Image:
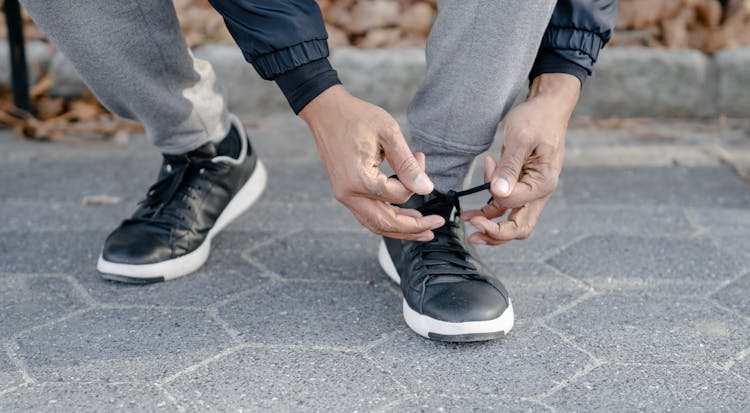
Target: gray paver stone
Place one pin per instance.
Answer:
(286, 380)
(530, 360)
(86, 397)
(121, 345)
(647, 186)
(735, 295)
(635, 263)
(654, 388)
(653, 329)
(323, 256)
(315, 313)
(28, 301)
(435, 403)
(9, 374)
(535, 289)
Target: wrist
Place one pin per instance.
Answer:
(327, 102)
(561, 90)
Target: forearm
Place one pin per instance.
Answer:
(559, 90)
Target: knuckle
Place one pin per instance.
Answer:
(340, 194)
(409, 164)
(525, 231)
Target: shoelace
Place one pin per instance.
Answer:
(157, 206)
(445, 255)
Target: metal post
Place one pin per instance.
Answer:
(19, 71)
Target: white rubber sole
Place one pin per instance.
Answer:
(177, 267)
(434, 329)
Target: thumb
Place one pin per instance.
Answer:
(507, 172)
(408, 168)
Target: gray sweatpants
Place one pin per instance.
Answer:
(134, 58)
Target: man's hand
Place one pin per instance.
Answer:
(354, 137)
(531, 161)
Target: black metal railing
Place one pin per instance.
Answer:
(19, 71)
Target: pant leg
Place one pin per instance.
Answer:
(479, 55)
(133, 56)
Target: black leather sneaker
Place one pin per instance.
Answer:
(449, 295)
(197, 194)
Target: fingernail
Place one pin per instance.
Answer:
(422, 184)
(437, 225)
(501, 186)
(425, 238)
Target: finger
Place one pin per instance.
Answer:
(508, 170)
(480, 238)
(489, 211)
(419, 156)
(528, 189)
(382, 218)
(407, 211)
(404, 164)
(390, 190)
(489, 168)
(423, 237)
(521, 222)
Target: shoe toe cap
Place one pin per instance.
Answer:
(128, 245)
(464, 302)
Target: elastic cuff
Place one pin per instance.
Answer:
(547, 61)
(306, 82)
(272, 65)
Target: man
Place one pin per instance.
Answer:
(133, 56)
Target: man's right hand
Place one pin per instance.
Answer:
(354, 137)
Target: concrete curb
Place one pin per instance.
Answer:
(628, 82)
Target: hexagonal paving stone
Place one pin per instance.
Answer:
(85, 397)
(722, 221)
(121, 345)
(281, 380)
(127, 177)
(535, 289)
(282, 217)
(225, 273)
(735, 246)
(634, 263)
(303, 182)
(315, 313)
(654, 388)
(323, 256)
(743, 367)
(437, 403)
(687, 186)
(9, 374)
(41, 215)
(28, 301)
(606, 219)
(48, 252)
(735, 295)
(528, 361)
(655, 329)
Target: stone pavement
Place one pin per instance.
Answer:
(631, 295)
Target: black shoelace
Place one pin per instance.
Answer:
(160, 207)
(445, 255)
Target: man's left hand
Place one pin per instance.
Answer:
(530, 163)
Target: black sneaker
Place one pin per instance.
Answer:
(449, 295)
(197, 195)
